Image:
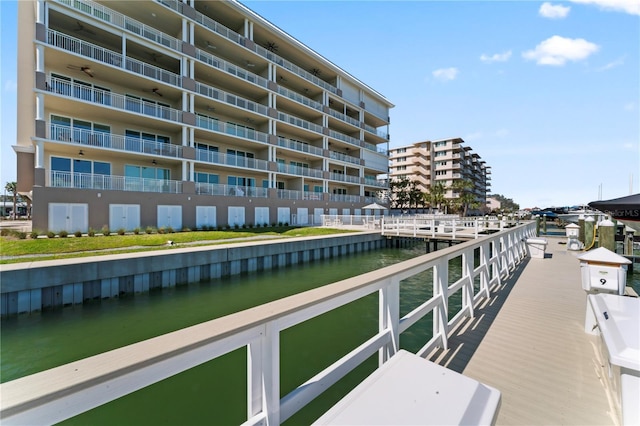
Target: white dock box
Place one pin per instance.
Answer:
(603, 271)
(536, 247)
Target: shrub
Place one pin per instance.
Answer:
(170, 230)
(92, 232)
(185, 229)
(106, 231)
(121, 231)
(161, 230)
(63, 234)
(136, 230)
(21, 235)
(286, 224)
(51, 234)
(236, 226)
(34, 234)
(4, 232)
(77, 234)
(148, 230)
(279, 224)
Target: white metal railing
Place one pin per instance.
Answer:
(63, 392)
(346, 198)
(230, 68)
(60, 179)
(112, 141)
(300, 99)
(344, 117)
(106, 56)
(344, 178)
(104, 14)
(299, 171)
(343, 157)
(231, 129)
(113, 100)
(219, 28)
(231, 190)
(442, 226)
(344, 138)
(228, 98)
(299, 122)
(375, 131)
(231, 160)
(375, 182)
(299, 146)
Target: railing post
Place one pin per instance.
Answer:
(441, 312)
(389, 318)
(263, 375)
(467, 289)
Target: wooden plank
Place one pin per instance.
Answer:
(528, 342)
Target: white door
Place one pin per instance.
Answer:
(262, 215)
(170, 216)
(284, 215)
(317, 215)
(303, 216)
(205, 216)
(236, 216)
(125, 216)
(70, 217)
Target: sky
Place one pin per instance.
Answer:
(547, 93)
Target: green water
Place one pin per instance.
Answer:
(215, 392)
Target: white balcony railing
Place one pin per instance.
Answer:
(60, 179)
(344, 178)
(345, 198)
(344, 117)
(231, 129)
(300, 99)
(299, 122)
(230, 68)
(231, 190)
(228, 98)
(231, 160)
(344, 138)
(343, 157)
(113, 100)
(299, 146)
(110, 141)
(299, 171)
(47, 397)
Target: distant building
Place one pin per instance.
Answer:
(493, 204)
(441, 161)
(187, 114)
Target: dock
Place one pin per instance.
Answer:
(528, 341)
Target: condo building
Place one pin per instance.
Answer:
(442, 161)
(187, 114)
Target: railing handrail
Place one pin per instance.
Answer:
(62, 392)
(61, 179)
(231, 99)
(231, 160)
(233, 129)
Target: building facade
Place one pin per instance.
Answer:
(186, 114)
(442, 161)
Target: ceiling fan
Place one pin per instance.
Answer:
(85, 69)
(82, 28)
(316, 72)
(155, 91)
(155, 56)
(271, 46)
(211, 46)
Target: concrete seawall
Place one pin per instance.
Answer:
(34, 286)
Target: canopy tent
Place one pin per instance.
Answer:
(374, 206)
(623, 208)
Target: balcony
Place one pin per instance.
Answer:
(344, 117)
(288, 194)
(299, 146)
(344, 138)
(231, 129)
(345, 178)
(375, 182)
(345, 198)
(298, 122)
(231, 190)
(231, 160)
(300, 99)
(110, 141)
(60, 179)
(230, 68)
(113, 100)
(299, 171)
(109, 57)
(343, 157)
(228, 98)
(381, 133)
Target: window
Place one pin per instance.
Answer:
(441, 172)
(202, 177)
(398, 168)
(441, 153)
(85, 132)
(150, 143)
(78, 173)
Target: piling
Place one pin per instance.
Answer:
(628, 243)
(589, 232)
(581, 231)
(544, 224)
(537, 225)
(607, 235)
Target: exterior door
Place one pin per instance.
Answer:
(170, 216)
(205, 216)
(70, 217)
(124, 216)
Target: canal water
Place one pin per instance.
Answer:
(215, 392)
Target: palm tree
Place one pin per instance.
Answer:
(12, 188)
(436, 194)
(465, 196)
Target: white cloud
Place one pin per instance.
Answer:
(631, 7)
(611, 65)
(10, 86)
(496, 57)
(558, 50)
(548, 10)
(446, 74)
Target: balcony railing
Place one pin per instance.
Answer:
(299, 98)
(299, 171)
(230, 68)
(345, 198)
(344, 117)
(231, 129)
(111, 141)
(299, 146)
(231, 190)
(228, 98)
(375, 182)
(219, 28)
(345, 178)
(344, 138)
(60, 179)
(104, 14)
(288, 194)
(343, 157)
(299, 122)
(113, 100)
(378, 132)
(231, 160)
(109, 57)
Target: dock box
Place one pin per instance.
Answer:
(409, 390)
(536, 247)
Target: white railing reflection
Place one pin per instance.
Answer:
(486, 263)
(60, 179)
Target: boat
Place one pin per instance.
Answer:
(625, 209)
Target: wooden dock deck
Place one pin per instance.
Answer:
(528, 341)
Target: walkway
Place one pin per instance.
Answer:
(529, 342)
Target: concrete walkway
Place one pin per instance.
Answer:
(528, 341)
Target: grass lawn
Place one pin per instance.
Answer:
(60, 248)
